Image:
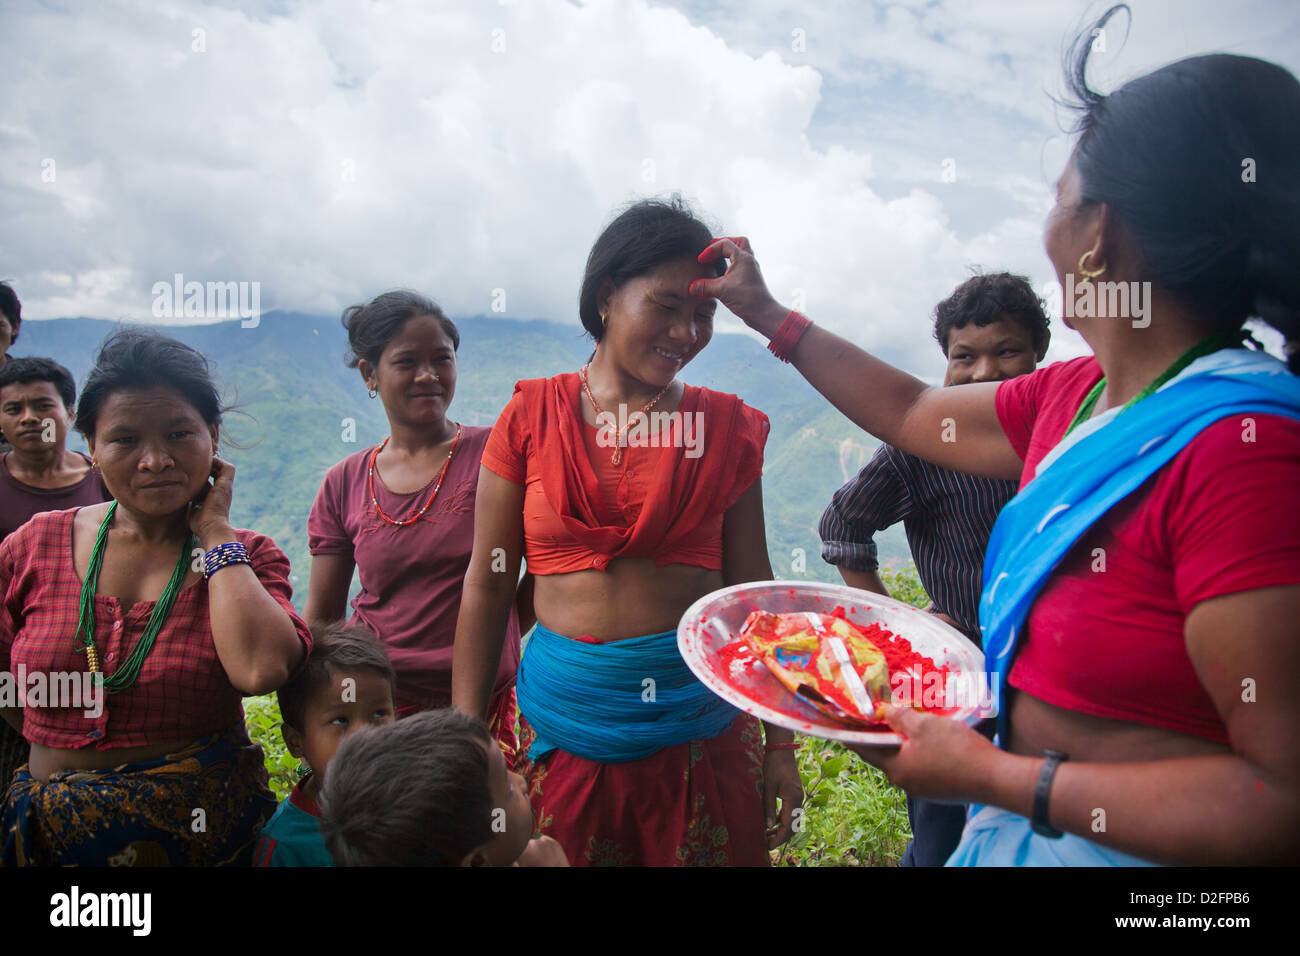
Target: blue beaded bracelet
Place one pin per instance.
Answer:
(222, 556)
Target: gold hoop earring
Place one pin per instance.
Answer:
(1089, 274)
(603, 319)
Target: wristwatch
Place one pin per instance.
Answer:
(1042, 790)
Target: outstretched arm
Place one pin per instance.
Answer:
(954, 427)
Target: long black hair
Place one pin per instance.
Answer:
(1200, 159)
(644, 235)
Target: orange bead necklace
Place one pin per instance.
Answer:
(370, 479)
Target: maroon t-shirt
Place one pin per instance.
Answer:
(19, 500)
(411, 577)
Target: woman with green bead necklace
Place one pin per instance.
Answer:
(153, 617)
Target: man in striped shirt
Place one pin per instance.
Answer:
(991, 328)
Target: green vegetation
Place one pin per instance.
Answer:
(262, 717)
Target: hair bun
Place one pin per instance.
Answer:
(1275, 290)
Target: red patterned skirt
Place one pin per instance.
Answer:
(693, 804)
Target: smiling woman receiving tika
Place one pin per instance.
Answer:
(626, 520)
(177, 612)
(1141, 592)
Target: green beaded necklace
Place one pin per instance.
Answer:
(129, 670)
(1204, 347)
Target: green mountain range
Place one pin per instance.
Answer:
(296, 403)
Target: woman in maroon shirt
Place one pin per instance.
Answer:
(134, 628)
(402, 512)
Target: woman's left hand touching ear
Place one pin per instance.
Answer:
(210, 514)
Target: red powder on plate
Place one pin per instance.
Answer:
(927, 678)
(736, 650)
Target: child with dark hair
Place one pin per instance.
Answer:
(991, 328)
(430, 790)
(346, 685)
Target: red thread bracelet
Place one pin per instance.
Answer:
(788, 336)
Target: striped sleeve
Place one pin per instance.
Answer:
(876, 499)
(265, 850)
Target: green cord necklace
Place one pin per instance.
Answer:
(1204, 347)
(129, 670)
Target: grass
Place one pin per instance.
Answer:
(262, 717)
(852, 815)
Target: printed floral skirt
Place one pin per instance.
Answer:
(202, 806)
(693, 804)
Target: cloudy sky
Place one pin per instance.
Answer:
(330, 150)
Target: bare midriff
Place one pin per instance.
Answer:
(633, 597)
(48, 760)
(1036, 725)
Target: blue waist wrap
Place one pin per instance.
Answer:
(615, 702)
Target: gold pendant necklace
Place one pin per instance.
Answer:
(621, 442)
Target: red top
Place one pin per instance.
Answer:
(1105, 635)
(411, 577)
(666, 498)
(182, 691)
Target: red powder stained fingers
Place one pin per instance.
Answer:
(725, 247)
(740, 241)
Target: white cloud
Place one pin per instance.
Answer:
(332, 150)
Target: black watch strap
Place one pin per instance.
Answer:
(1043, 790)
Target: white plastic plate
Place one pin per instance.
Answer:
(716, 619)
